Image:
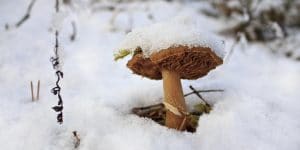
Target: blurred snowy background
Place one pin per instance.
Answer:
(261, 76)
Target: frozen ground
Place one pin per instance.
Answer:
(258, 110)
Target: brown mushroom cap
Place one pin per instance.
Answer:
(189, 63)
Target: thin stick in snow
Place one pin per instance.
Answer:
(203, 91)
(37, 97)
(59, 74)
(195, 92)
(31, 87)
(73, 35)
(38, 91)
(77, 139)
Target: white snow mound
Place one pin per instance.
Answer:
(179, 31)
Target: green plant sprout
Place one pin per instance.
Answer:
(121, 54)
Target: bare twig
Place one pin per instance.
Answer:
(74, 33)
(59, 74)
(77, 139)
(143, 111)
(203, 91)
(25, 17)
(195, 92)
(31, 87)
(38, 91)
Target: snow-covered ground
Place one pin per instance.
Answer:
(258, 110)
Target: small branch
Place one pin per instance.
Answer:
(38, 91)
(25, 17)
(203, 91)
(31, 87)
(77, 139)
(195, 92)
(143, 111)
(74, 33)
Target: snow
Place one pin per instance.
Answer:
(58, 19)
(258, 110)
(182, 30)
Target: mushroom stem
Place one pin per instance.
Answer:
(173, 95)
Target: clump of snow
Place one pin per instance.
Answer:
(182, 30)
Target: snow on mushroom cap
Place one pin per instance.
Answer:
(179, 31)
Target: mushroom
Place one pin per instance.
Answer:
(171, 65)
(173, 50)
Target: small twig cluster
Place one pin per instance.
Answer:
(257, 21)
(157, 112)
(144, 110)
(259, 24)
